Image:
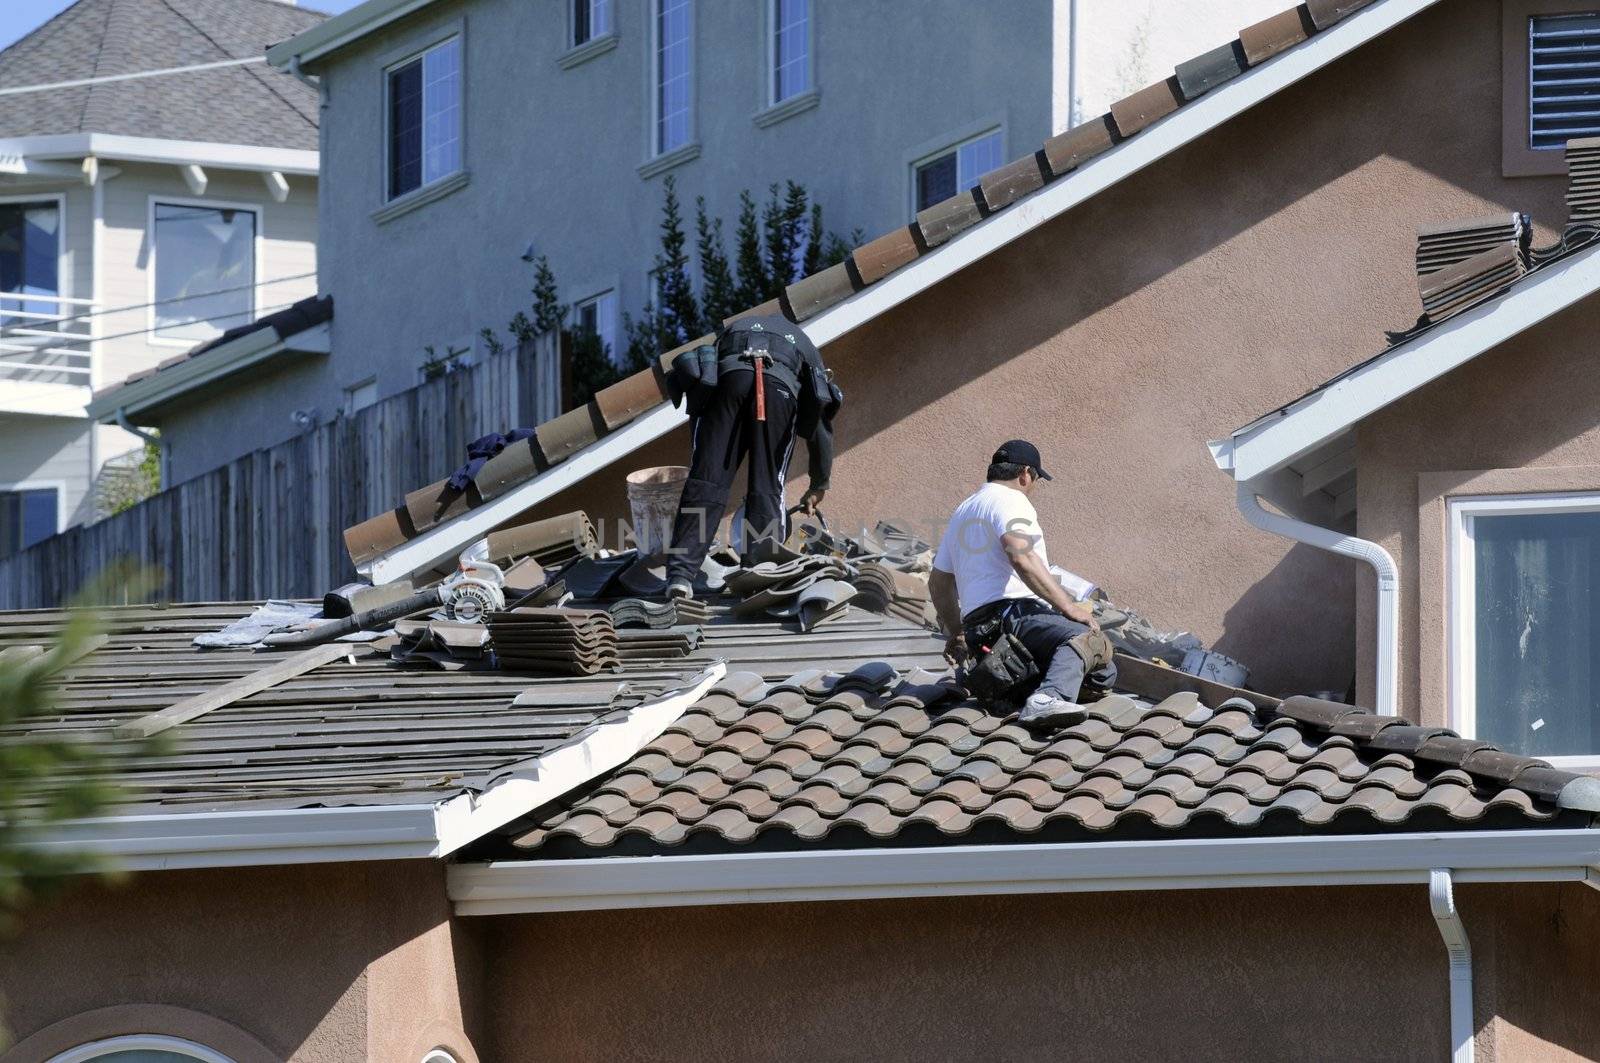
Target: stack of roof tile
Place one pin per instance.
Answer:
(551, 542)
(556, 641)
(1470, 281)
(808, 589)
(1583, 179)
(446, 644)
(873, 758)
(654, 643)
(1450, 243)
(885, 589)
(637, 613)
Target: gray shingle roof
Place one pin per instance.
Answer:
(94, 38)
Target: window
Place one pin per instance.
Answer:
(358, 397)
(27, 515)
(141, 1048)
(1563, 79)
(598, 316)
(424, 110)
(956, 169)
(672, 83)
(205, 269)
(30, 250)
(590, 19)
(1525, 622)
(791, 49)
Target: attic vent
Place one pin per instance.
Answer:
(1563, 79)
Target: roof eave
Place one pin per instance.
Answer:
(505, 887)
(340, 30)
(251, 157)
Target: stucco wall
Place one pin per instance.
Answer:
(320, 964)
(1528, 405)
(1202, 975)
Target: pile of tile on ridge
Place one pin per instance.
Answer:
(1583, 179)
(1470, 281)
(1449, 243)
(884, 589)
(807, 588)
(551, 542)
(555, 641)
(637, 612)
(655, 643)
(445, 644)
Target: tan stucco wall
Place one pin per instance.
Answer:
(1336, 974)
(1527, 408)
(1219, 283)
(320, 964)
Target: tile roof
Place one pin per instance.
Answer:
(879, 258)
(880, 758)
(95, 38)
(367, 732)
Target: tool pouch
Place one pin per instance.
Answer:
(1004, 672)
(693, 377)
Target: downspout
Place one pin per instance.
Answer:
(1072, 63)
(306, 79)
(149, 437)
(1441, 897)
(1382, 563)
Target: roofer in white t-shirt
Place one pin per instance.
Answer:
(992, 567)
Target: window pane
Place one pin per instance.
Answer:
(405, 129)
(978, 158)
(791, 74)
(936, 181)
(1536, 634)
(441, 109)
(29, 253)
(26, 517)
(672, 74)
(205, 270)
(581, 30)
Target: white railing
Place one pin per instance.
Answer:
(45, 339)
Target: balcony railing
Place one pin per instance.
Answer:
(45, 339)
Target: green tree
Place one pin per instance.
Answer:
(754, 283)
(548, 311)
(592, 367)
(678, 316)
(718, 290)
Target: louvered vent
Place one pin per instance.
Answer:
(1564, 79)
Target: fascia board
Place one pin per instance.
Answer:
(167, 384)
(1188, 123)
(341, 29)
(505, 887)
(157, 150)
(1272, 442)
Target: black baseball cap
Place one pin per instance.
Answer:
(1020, 452)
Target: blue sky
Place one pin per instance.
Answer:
(19, 17)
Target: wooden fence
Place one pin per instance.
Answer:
(271, 523)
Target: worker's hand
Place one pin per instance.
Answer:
(811, 500)
(1083, 614)
(955, 648)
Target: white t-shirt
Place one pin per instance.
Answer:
(971, 548)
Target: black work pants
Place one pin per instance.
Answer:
(722, 435)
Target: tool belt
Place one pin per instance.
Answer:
(998, 668)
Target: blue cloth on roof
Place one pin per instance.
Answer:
(480, 450)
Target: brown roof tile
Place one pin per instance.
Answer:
(1148, 105)
(876, 260)
(953, 216)
(1325, 13)
(1003, 187)
(1066, 151)
(812, 295)
(1205, 72)
(1276, 34)
(628, 398)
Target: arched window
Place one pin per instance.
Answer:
(439, 1055)
(141, 1048)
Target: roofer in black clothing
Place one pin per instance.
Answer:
(762, 385)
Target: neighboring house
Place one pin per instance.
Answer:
(138, 217)
(812, 847)
(462, 137)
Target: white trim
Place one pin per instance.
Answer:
(1274, 441)
(1191, 121)
(341, 29)
(1461, 593)
(157, 150)
(589, 49)
(503, 887)
(258, 247)
(163, 841)
(768, 97)
(88, 1053)
(58, 486)
(219, 362)
(419, 197)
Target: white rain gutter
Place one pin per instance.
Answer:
(1371, 553)
(514, 886)
(424, 830)
(1441, 897)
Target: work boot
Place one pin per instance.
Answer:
(680, 589)
(1044, 711)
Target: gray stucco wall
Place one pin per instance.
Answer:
(245, 412)
(553, 154)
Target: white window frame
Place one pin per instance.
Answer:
(572, 22)
(596, 294)
(1461, 576)
(94, 1050)
(257, 258)
(931, 150)
(653, 133)
(769, 40)
(63, 274)
(428, 190)
(350, 407)
(1528, 133)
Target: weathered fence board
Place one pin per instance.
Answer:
(271, 523)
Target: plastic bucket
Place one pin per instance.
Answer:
(653, 496)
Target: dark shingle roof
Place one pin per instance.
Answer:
(878, 758)
(251, 104)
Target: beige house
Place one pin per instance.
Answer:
(139, 216)
(811, 846)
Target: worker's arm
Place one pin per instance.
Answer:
(820, 449)
(1035, 575)
(942, 589)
